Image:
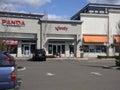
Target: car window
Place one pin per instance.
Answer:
(5, 60)
(40, 51)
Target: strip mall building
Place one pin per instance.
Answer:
(93, 31)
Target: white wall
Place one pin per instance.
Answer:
(31, 26)
(114, 20)
(94, 24)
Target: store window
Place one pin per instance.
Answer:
(117, 49)
(94, 48)
(63, 49)
(33, 47)
(12, 49)
(56, 48)
(71, 49)
(50, 49)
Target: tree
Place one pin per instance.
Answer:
(3, 46)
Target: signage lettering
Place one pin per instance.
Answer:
(13, 22)
(61, 28)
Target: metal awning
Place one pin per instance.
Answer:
(18, 36)
(60, 37)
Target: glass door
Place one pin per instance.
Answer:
(71, 50)
(26, 50)
(58, 48)
(54, 50)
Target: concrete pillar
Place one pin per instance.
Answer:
(77, 46)
(111, 51)
(38, 40)
(67, 49)
(78, 51)
(19, 49)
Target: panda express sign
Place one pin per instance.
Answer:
(8, 22)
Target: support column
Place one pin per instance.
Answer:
(19, 49)
(111, 51)
(38, 40)
(77, 46)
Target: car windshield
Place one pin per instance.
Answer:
(40, 51)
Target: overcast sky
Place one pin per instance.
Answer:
(58, 9)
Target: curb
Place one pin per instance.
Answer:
(70, 58)
(21, 69)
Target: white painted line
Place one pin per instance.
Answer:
(96, 73)
(50, 74)
(24, 68)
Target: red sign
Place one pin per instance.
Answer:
(61, 28)
(11, 42)
(13, 22)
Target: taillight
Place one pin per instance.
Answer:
(13, 76)
(8, 59)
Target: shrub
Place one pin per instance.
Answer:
(117, 63)
(50, 56)
(100, 57)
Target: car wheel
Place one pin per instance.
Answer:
(44, 59)
(33, 58)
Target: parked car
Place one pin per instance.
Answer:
(39, 54)
(7, 71)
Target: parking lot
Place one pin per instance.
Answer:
(69, 75)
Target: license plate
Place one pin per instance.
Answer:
(40, 54)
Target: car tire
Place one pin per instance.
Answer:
(33, 58)
(44, 59)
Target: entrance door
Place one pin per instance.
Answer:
(57, 49)
(71, 50)
(54, 50)
(26, 50)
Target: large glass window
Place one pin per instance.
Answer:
(94, 48)
(63, 49)
(71, 49)
(117, 49)
(50, 49)
(12, 49)
(33, 47)
(53, 49)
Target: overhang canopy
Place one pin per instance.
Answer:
(95, 38)
(117, 39)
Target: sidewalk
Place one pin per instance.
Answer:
(66, 58)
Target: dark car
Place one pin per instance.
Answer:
(39, 54)
(7, 71)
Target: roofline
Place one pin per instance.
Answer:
(21, 14)
(79, 11)
(61, 21)
(93, 4)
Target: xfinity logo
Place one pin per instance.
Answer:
(61, 28)
(13, 22)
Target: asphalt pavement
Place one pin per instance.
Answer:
(69, 74)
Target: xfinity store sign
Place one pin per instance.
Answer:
(59, 28)
(8, 22)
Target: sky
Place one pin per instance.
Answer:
(53, 9)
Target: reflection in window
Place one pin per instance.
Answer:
(63, 49)
(117, 49)
(50, 49)
(12, 49)
(94, 48)
(71, 49)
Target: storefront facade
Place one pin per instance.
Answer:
(100, 29)
(23, 33)
(61, 37)
(21, 28)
